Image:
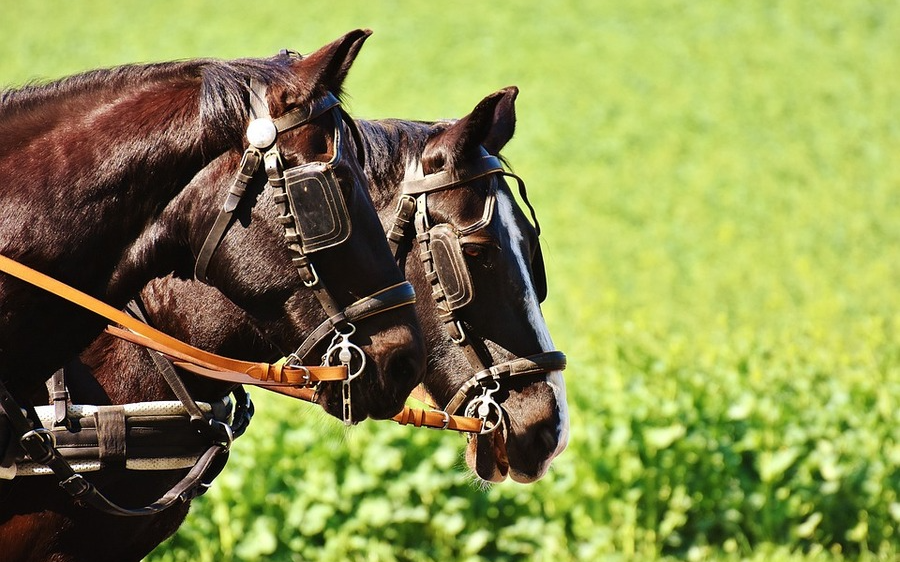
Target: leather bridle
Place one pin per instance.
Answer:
(315, 217)
(452, 289)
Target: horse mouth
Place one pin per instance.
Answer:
(500, 454)
(486, 456)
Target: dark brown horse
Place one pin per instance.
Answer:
(90, 163)
(534, 409)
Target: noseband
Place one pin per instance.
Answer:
(315, 217)
(452, 287)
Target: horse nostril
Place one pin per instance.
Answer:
(403, 369)
(547, 437)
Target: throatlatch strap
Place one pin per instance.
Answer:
(249, 164)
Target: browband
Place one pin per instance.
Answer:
(446, 179)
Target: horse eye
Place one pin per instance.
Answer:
(482, 252)
(474, 250)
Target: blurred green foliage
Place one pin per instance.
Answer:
(720, 196)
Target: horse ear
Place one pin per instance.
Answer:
(330, 64)
(504, 124)
(491, 124)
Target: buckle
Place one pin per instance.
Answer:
(76, 486)
(446, 420)
(224, 432)
(39, 444)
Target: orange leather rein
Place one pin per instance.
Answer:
(276, 376)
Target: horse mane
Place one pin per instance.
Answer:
(223, 90)
(393, 145)
(385, 139)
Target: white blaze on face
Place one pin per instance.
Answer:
(555, 378)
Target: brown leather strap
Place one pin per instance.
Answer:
(59, 396)
(437, 419)
(303, 114)
(195, 483)
(403, 223)
(537, 364)
(447, 179)
(248, 372)
(233, 370)
(389, 298)
(249, 164)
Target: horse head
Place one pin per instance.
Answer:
(482, 257)
(295, 241)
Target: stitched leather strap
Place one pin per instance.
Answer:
(59, 396)
(249, 164)
(395, 296)
(437, 419)
(446, 179)
(195, 483)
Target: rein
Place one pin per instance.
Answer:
(270, 375)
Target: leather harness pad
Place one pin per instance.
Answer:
(450, 266)
(320, 212)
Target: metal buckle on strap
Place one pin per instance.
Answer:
(38, 444)
(309, 284)
(76, 486)
(446, 420)
(224, 431)
(459, 329)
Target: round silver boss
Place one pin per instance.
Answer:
(261, 132)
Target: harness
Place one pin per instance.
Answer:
(452, 287)
(315, 217)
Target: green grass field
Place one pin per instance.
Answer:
(719, 186)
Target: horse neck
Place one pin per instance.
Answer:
(88, 199)
(70, 206)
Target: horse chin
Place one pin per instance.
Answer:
(330, 398)
(387, 404)
(486, 456)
